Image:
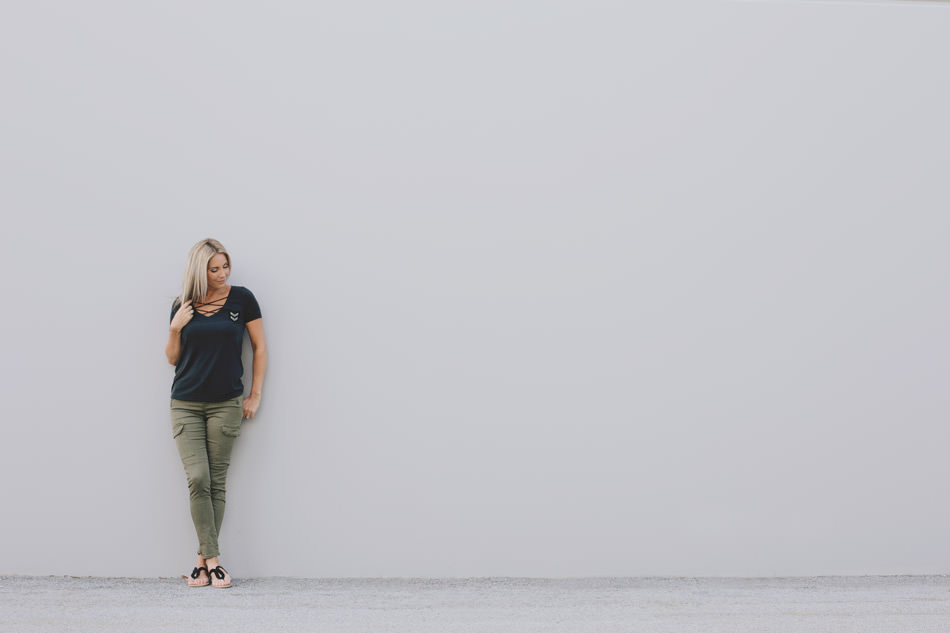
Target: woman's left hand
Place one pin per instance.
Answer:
(250, 406)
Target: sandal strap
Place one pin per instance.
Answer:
(197, 572)
(218, 571)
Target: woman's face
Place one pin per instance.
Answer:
(218, 272)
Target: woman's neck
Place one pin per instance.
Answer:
(216, 294)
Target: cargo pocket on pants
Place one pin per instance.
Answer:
(232, 427)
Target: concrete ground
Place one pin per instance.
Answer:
(865, 604)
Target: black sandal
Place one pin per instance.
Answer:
(196, 574)
(219, 573)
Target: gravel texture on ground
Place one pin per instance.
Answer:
(865, 604)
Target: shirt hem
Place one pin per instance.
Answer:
(216, 399)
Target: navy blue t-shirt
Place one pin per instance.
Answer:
(209, 365)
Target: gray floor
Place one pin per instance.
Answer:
(257, 605)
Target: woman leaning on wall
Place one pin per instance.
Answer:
(208, 321)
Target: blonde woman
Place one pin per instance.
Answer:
(208, 321)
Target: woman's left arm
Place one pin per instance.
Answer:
(255, 329)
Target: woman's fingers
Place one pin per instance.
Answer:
(184, 314)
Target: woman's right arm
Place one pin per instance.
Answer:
(181, 318)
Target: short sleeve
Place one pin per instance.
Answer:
(252, 311)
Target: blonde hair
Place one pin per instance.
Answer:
(195, 285)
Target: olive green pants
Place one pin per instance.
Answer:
(205, 433)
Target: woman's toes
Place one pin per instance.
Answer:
(220, 577)
(199, 580)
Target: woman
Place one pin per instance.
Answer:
(204, 344)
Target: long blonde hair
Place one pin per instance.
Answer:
(195, 285)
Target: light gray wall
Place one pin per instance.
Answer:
(550, 288)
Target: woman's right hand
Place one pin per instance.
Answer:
(183, 316)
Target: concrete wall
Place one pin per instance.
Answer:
(550, 288)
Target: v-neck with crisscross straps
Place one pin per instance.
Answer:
(217, 304)
(209, 365)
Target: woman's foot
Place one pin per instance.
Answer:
(199, 575)
(220, 577)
